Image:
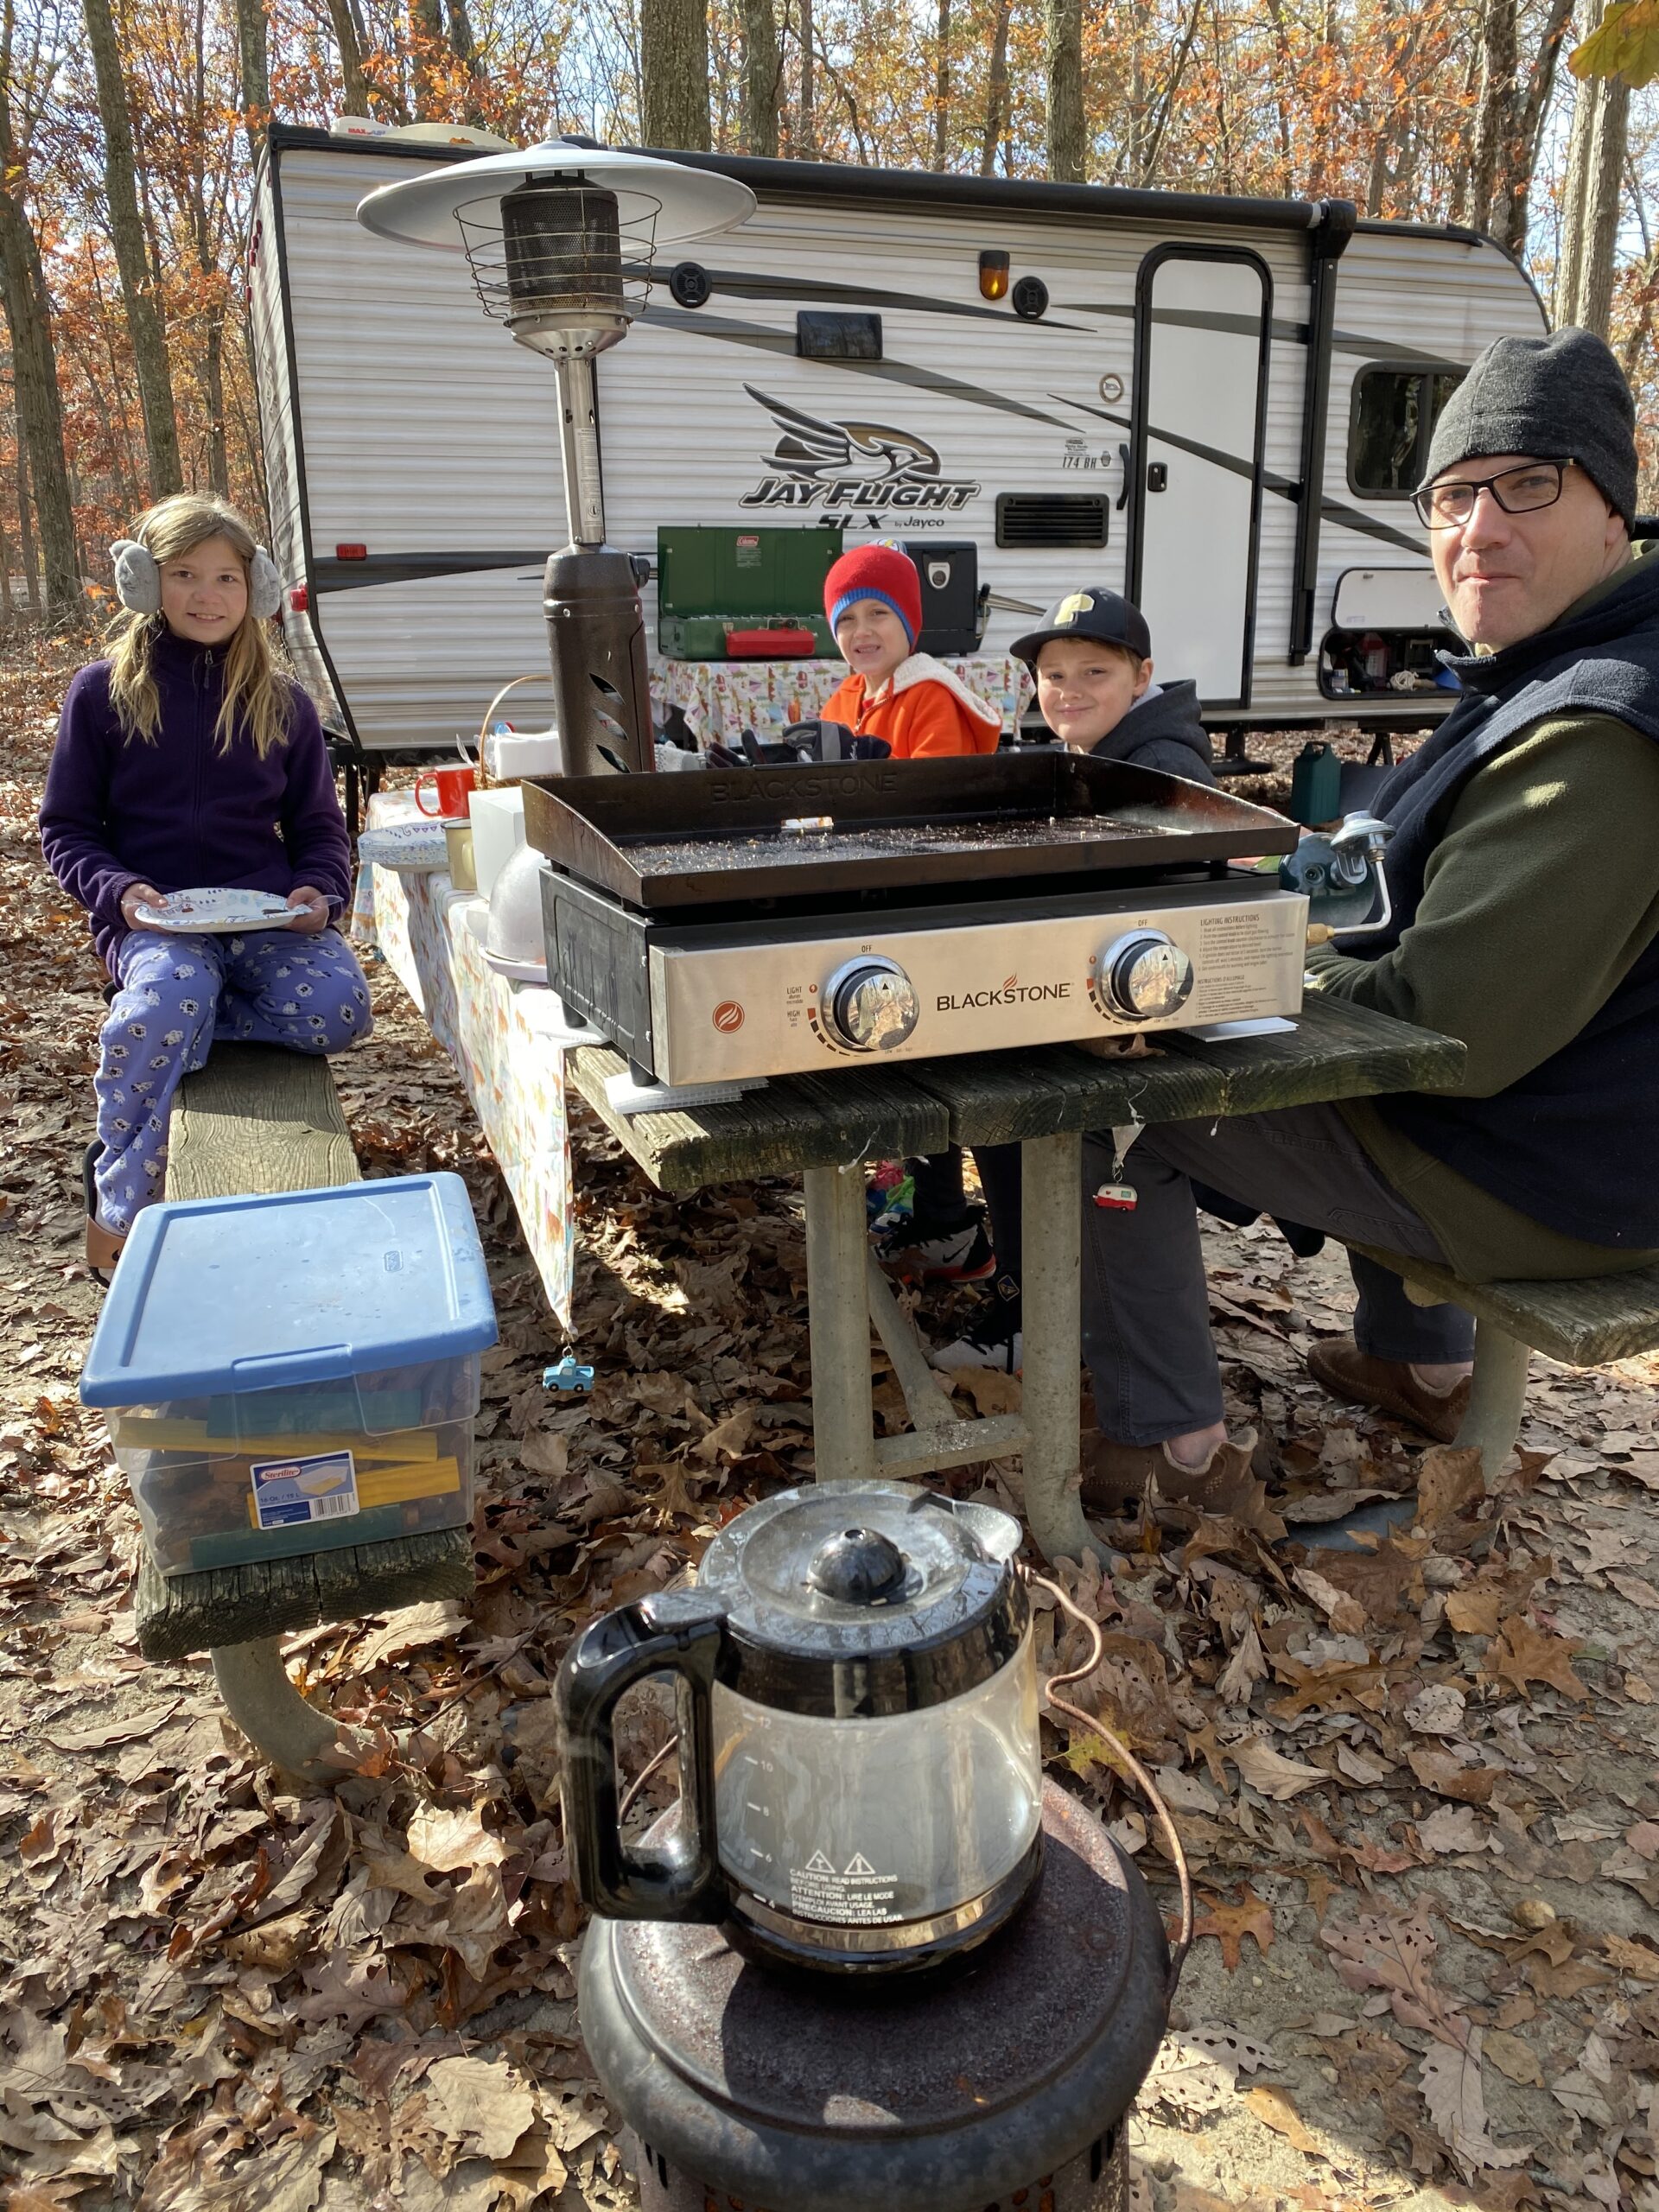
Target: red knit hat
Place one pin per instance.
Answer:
(883, 572)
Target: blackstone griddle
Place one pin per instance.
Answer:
(729, 925)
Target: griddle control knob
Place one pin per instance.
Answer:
(1147, 976)
(870, 1005)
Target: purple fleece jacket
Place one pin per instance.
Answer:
(179, 813)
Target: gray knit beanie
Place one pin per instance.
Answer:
(1563, 397)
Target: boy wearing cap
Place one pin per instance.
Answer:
(1092, 662)
(872, 600)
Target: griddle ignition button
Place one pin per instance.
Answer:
(1147, 976)
(870, 1005)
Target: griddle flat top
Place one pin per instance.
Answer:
(660, 842)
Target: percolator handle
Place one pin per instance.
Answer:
(680, 1633)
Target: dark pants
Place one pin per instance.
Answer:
(1146, 1310)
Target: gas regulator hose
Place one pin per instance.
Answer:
(1123, 1759)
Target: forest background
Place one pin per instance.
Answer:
(130, 133)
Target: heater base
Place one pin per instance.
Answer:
(1096, 2182)
(1002, 2081)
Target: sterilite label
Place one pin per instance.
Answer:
(855, 1895)
(320, 1488)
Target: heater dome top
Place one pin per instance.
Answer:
(685, 202)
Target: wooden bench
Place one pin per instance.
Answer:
(1582, 1324)
(259, 1119)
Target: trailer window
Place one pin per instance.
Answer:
(821, 337)
(1395, 411)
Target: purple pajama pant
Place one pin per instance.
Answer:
(177, 995)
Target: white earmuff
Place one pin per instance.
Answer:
(264, 586)
(138, 577)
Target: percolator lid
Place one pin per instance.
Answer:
(854, 1599)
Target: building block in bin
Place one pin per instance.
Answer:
(295, 1371)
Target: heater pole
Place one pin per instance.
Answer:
(584, 491)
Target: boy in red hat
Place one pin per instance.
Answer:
(872, 600)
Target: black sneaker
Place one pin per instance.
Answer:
(963, 1254)
(994, 1338)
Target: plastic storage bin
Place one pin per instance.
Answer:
(295, 1371)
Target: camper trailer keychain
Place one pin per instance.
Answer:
(1120, 1195)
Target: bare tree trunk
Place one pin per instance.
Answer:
(1492, 120)
(253, 47)
(674, 65)
(942, 90)
(26, 533)
(806, 122)
(1063, 45)
(1153, 145)
(996, 90)
(42, 459)
(762, 76)
(1591, 199)
(1527, 134)
(358, 99)
(131, 255)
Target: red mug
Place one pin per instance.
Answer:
(452, 785)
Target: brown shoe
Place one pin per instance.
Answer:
(1116, 1475)
(104, 1248)
(1341, 1368)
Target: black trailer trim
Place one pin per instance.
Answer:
(1178, 250)
(1325, 247)
(331, 573)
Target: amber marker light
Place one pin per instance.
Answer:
(994, 276)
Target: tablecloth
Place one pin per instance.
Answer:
(722, 698)
(494, 1031)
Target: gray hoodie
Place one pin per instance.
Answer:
(1162, 730)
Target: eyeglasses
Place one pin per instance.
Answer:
(1518, 490)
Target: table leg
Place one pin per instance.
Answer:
(838, 1323)
(1050, 1288)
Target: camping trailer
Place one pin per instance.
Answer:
(1141, 406)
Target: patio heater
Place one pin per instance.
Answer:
(560, 240)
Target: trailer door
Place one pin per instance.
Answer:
(1203, 321)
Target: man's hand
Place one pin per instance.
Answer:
(310, 911)
(137, 894)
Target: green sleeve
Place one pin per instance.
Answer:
(1541, 893)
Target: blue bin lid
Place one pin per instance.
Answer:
(290, 1286)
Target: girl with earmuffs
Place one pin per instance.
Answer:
(189, 759)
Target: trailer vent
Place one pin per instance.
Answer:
(1051, 517)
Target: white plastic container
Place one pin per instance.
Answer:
(497, 832)
(507, 754)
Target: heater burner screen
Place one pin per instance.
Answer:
(555, 255)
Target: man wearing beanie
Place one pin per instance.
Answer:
(872, 600)
(1526, 923)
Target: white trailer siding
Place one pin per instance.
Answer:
(415, 428)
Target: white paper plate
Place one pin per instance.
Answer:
(419, 847)
(201, 913)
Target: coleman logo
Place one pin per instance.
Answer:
(728, 1016)
(1010, 992)
(836, 465)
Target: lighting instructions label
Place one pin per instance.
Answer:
(323, 1488)
(855, 1895)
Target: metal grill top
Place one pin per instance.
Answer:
(663, 842)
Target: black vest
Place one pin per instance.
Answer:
(1573, 1144)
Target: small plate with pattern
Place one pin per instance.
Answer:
(416, 847)
(217, 913)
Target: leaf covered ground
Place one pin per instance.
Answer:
(1418, 1784)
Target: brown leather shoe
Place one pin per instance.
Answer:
(104, 1248)
(1116, 1475)
(1353, 1375)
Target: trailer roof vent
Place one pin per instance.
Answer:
(1051, 517)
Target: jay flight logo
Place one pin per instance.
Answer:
(832, 466)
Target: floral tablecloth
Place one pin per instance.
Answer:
(720, 699)
(494, 1031)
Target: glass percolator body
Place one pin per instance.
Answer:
(860, 1822)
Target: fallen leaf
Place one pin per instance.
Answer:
(411, 1628)
(1437, 1710)
(453, 1842)
(1346, 1614)
(992, 1391)
(1638, 1960)
(1247, 1667)
(101, 1734)
(1270, 1771)
(545, 1451)
(1448, 1477)
(1517, 2060)
(1451, 2085)
(1440, 1770)
(1526, 1654)
(1451, 1828)
(729, 1440)
(1274, 2110)
(1231, 1924)
(1635, 1590)
(480, 2103)
(1395, 1954)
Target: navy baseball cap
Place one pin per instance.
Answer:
(1103, 615)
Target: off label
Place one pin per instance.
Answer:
(854, 1894)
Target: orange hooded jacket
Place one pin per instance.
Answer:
(923, 710)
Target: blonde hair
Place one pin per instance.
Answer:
(256, 691)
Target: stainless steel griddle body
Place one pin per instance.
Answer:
(936, 907)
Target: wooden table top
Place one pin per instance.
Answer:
(863, 1112)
